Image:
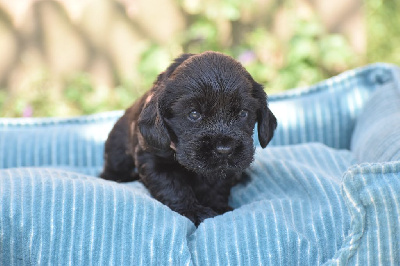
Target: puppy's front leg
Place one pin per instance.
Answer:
(166, 181)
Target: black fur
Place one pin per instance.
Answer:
(190, 165)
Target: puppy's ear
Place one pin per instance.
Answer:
(168, 72)
(265, 118)
(151, 122)
(152, 127)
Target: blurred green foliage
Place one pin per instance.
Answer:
(383, 27)
(307, 55)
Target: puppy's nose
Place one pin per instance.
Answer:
(224, 149)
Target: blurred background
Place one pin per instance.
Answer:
(73, 57)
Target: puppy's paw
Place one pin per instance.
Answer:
(199, 214)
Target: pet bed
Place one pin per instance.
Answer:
(325, 191)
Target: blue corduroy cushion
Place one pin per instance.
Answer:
(376, 137)
(311, 198)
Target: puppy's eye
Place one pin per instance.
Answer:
(194, 116)
(243, 114)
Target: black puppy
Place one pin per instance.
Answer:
(189, 138)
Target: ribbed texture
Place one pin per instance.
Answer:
(51, 217)
(305, 204)
(326, 112)
(372, 194)
(53, 142)
(376, 137)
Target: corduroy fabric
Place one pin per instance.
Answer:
(53, 217)
(372, 194)
(376, 137)
(309, 201)
(74, 143)
(326, 112)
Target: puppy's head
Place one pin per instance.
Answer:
(205, 108)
